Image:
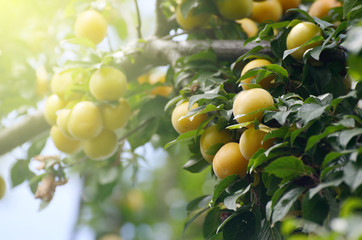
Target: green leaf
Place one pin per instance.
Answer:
(268, 232)
(322, 24)
(253, 112)
(288, 167)
(275, 147)
(143, 132)
(232, 215)
(334, 155)
(346, 136)
(187, 6)
(297, 132)
(276, 133)
(197, 203)
(353, 43)
(262, 156)
(37, 146)
(182, 138)
(341, 28)
(187, 224)
(355, 66)
(284, 204)
(351, 206)
(20, 172)
(201, 110)
(216, 237)
(173, 101)
(108, 175)
(242, 226)
(214, 148)
(338, 100)
(296, 21)
(321, 186)
(34, 181)
(257, 74)
(315, 209)
(81, 41)
(211, 223)
(239, 125)
(282, 116)
(121, 27)
(331, 169)
(222, 185)
(193, 99)
(207, 56)
(104, 191)
(348, 5)
(196, 165)
(352, 175)
(279, 193)
(231, 201)
(277, 69)
(316, 138)
(309, 112)
(250, 52)
(156, 104)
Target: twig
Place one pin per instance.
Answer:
(139, 33)
(134, 130)
(169, 37)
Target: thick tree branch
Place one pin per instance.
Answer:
(159, 52)
(155, 52)
(22, 132)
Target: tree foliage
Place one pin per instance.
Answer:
(306, 186)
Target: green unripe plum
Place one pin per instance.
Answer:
(62, 142)
(91, 25)
(108, 83)
(62, 121)
(115, 117)
(300, 34)
(52, 105)
(62, 82)
(191, 21)
(102, 146)
(234, 9)
(85, 121)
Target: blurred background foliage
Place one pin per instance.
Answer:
(26, 43)
(144, 196)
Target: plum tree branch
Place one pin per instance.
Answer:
(160, 52)
(155, 52)
(22, 131)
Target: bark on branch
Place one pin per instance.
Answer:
(159, 52)
(155, 52)
(22, 132)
